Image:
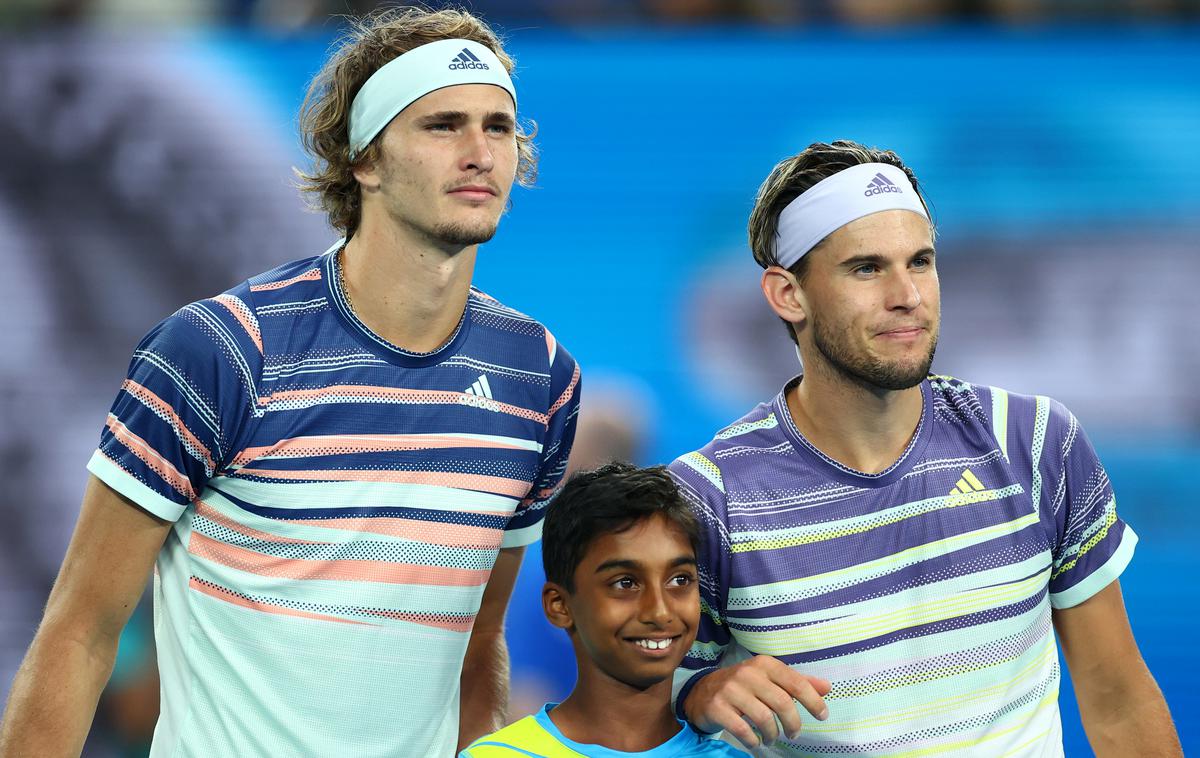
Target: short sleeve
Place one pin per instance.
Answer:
(699, 481)
(170, 427)
(1092, 544)
(525, 526)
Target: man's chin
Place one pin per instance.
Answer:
(465, 235)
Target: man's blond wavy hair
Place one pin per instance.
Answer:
(370, 42)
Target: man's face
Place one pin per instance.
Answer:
(447, 165)
(873, 303)
(636, 603)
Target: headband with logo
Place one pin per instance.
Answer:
(402, 81)
(837, 200)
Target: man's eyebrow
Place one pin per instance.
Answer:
(460, 117)
(858, 260)
(440, 117)
(879, 260)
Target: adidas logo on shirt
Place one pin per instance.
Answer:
(881, 184)
(480, 387)
(479, 395)
(968, 489)
(466, 59)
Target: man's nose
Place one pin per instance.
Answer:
(477, 153)
(903, 292)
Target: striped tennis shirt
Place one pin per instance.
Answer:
(338, 506)
(924, 592)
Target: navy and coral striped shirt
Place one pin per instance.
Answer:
(338, 505)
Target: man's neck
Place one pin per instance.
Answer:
(617, 716)
(404, 288)
(863, 428)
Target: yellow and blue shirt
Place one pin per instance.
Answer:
(536, 736)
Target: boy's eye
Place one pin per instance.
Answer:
(682, 580)
(625, 583)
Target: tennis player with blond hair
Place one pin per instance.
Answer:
(333, 467)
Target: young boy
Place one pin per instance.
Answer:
(619, 549)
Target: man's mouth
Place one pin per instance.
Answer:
(902, 332)
(474, 191)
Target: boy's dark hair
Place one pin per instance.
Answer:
(608, 500)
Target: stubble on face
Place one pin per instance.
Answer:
(865, 369)
(445, 234)
(453, 234)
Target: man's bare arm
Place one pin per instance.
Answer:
(54, 695)
(485, 674)
(1123, 710)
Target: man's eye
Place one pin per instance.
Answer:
(439, 127)
(682, 580)
(500, 129)
(922, 262)
(866, 269)
(624, 583)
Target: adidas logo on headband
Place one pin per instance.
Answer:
(879, 185)
(466, 59)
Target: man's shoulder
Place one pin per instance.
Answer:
(228, 324)
(509, 330)
(1025, 414)
(287, 281)
(757, 430)
(487, 311)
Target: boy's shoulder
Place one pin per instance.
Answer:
(520, 738)
(530, 737)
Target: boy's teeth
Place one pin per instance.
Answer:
(654, 644)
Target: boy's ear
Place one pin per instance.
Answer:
(554, 605)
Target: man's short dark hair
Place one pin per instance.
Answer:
(793, 176)
(609, 500)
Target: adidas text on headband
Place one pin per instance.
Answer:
(404, 80)
(837, 200)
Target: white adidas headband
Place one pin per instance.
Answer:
(402, 81)
(837, 200)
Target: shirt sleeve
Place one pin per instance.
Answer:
(1092, 544)
(525, 526)
(700, 483)
(170, 427)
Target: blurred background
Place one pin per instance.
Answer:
(145, 161)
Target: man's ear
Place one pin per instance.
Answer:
(555, 606)
(785, 296)
(367, 175)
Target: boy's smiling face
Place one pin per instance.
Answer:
(633, 614)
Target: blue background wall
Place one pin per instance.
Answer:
(654, 143)
(1062, 166)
